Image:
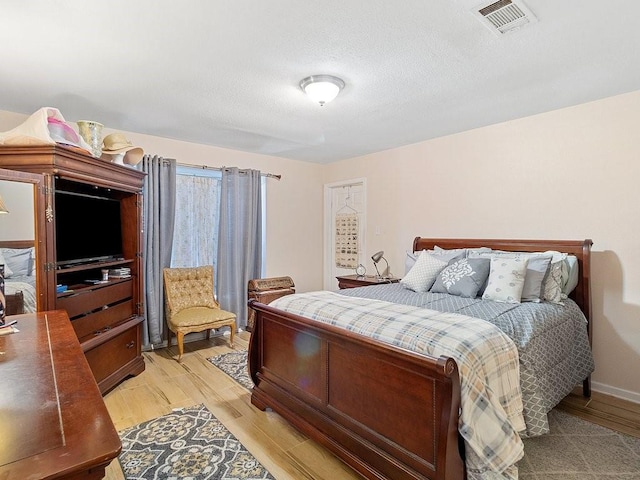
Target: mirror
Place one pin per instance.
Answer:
(22, 251)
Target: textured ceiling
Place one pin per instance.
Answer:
(226, 73)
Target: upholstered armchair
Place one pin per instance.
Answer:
(191, 305)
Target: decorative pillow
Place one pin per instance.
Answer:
(506, 279)
(574, 272)
(7, 270)
(553, 283)
(537, 268)
(449, 256)
(19, 260)
(463, 278)
(467, 251)
(436, 248)
(410, 260)
(423, 273)
(477, 250)
(446, 255)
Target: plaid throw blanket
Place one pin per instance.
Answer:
(491, 413)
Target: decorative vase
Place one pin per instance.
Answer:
(91, 132)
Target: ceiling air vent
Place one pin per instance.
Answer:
(504, 16)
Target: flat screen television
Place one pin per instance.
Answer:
(88, 228)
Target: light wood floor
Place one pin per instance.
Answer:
(611, 412)
(165, 384)
(286, 453)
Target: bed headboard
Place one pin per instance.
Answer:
(16, 243)
(580, 248)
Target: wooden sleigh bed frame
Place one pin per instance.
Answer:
(386, 412)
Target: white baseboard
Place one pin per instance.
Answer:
(616, 392)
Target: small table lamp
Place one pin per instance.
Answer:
(376, 257)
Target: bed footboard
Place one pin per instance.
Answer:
(386, 412)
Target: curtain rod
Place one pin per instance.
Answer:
(206, 167)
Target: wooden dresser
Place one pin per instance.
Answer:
(54, 423)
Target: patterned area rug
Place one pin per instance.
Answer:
(187, 444)
(574, 449)
(235, 365)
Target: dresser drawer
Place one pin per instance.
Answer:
(115, 353)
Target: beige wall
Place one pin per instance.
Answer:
(567, 174)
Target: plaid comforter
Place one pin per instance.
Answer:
(491, 412)
(552, 341)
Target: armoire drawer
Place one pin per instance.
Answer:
(110, 356)
(91, 299)
(96, 323)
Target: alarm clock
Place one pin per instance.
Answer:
(360, 270)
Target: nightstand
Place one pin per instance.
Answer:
(353, 281)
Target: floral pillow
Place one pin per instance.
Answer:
(463, 278)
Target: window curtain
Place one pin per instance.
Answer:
(195, 241)
(240, 239)
(158, 225)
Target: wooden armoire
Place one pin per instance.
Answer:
(92, 211)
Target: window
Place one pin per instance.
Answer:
(195, 240)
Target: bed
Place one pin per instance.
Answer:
(388, 411)
(18, 256)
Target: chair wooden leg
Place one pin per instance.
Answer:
(180, 337)
(233, 331)
(208, 334)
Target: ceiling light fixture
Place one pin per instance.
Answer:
(322, 88)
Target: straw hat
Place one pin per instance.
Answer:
(116, 143)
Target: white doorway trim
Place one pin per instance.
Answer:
(330, 283)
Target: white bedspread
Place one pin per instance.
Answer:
(491, 411)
